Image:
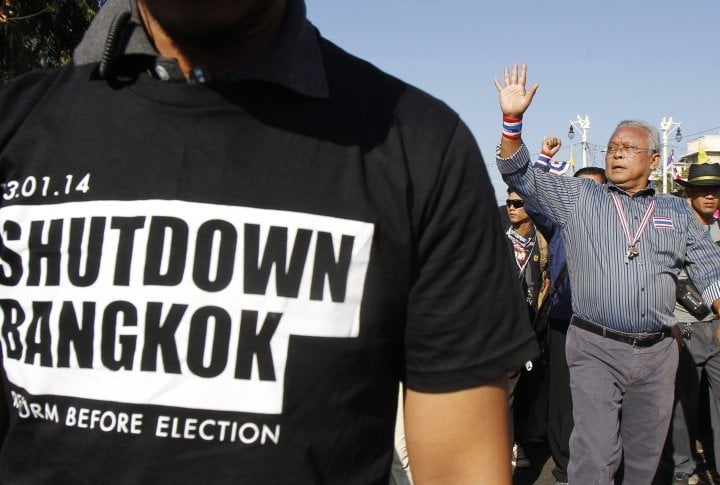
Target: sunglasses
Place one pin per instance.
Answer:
(516, 203)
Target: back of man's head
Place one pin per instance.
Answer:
(595, 173)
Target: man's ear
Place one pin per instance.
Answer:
(655, 161)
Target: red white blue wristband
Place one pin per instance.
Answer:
(512, 128)
(544, 159)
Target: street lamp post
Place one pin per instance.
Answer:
(666, 125)
(582, 125)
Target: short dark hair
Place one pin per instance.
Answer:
(592, 171)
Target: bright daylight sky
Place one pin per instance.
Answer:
(608, 59)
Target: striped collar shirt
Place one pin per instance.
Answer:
(630, 295)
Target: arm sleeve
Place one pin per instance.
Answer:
(541, 221)
(467, 323)
(552, 195)
(703, 260)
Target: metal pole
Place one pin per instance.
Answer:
(666, 125)
(664, 160)
(582, 125)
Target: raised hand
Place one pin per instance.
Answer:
(514, 99)
(551, 145)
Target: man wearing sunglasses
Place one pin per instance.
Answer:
(625, 246)
(529, 255)
(527, 249)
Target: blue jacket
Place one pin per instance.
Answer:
(562, 301)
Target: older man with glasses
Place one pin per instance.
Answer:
(626, 245)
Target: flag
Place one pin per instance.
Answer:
(543, 162)
(671, 165)
(663, 223)
(558, 167)
(572, 159)
(702, 156)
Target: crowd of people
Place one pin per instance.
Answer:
(625, 246)
(550, 399)
(232, 252)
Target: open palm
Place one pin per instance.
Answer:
(514, 98)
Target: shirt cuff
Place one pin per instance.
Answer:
(711, 294)
(518, 160)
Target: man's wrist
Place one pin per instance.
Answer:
(715, 308)
(543, 160)
(512, 127)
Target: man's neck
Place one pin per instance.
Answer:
(705, 219)
(522, 228)
(245, 51)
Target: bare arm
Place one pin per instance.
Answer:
(459, 437)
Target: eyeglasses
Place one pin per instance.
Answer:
(628, 151)
(516, 203)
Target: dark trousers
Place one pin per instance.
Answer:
(528, 402)
(530, 405)
(622, 403)
(701, 352)
(559, 419)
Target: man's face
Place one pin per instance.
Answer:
(704, 199)
(628, 160)
(516, 215)
(208, 24)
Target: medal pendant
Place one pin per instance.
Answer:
(632, 252)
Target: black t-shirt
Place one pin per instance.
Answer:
(224, 283)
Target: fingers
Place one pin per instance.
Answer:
(533, 90)
(498, 85)
(552, 140)
(515, 75)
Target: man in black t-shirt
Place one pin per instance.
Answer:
(225, 241)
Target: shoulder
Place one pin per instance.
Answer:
(35, 84)
(675, 205)
(363, 88)
(671, 200)
(21, 96)
(416, 130)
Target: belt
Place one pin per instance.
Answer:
(636, 340)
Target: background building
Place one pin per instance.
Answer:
(703, 149)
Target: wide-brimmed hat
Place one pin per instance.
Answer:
(702, 174)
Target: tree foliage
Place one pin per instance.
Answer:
(40, 34)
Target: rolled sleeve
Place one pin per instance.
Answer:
(711, 294)
(514, 162)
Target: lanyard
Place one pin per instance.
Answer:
(632, 240)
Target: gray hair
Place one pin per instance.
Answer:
(652, 131)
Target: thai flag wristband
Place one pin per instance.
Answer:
(512, 128)
(543, 159)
